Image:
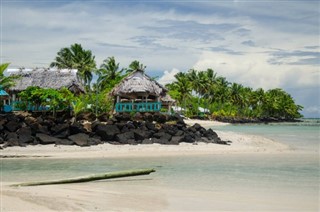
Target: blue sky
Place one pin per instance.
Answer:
(264, 44)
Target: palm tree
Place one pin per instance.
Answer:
(199, 83)
(78, 58)
(135, 65)
(236, 94)
(6, 81)
(183, 87)
(109, 73)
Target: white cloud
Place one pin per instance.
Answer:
(167, 35)
(253, 69)
(168, 76)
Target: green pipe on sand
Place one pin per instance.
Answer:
(109, 175)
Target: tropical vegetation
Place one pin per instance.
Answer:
(75, 57)
(6, 81)
(220, 98)
(193, 90)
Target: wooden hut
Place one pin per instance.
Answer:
(138, 92)
(43, 78)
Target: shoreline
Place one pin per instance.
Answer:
(241, 143)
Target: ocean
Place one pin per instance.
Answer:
(288, 181)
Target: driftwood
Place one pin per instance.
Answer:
(110, 175)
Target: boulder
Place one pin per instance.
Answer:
(175, 140)
(133, 142)
(170, 129)
(60, 130)
(11, 142)
(25, 135)
(187, 138)
(160, 118)
(150, 125)
(148, 117)
(197, 126)
(94, 141)
(43, 129)
(162, 136)
(160, 141)
(93, 125)
(147, 141)
(140, 135)
(179, 133)
(107, 132)
(120, 125)
(192, 129)
(47, 139)
(122, 117)
(210, 134)
(12, 126)
(65, 142)
(124, 137)
(76, 128)
(11, 135)
(30, 120)
(80, 139)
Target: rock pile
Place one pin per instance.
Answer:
(23, 130)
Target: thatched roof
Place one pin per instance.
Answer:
(167, 98)
(47, 78)
(138, 83)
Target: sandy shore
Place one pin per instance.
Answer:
(205, 123)
(240, 144)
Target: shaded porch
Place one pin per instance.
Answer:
(137, 107)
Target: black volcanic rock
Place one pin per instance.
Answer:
(124, 137)
(107, 132)
(25, 135)
(12, 126)
(47, 139)
(80, 139)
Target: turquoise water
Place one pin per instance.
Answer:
(296, 174)
(300, 135)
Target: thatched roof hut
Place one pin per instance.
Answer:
(138, 84)
(46, 78)
(138, 92)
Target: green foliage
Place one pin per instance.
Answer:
(6, 81)
(109, 75)
(97, 103)
(75, 57)
(55, 99)
(224, 99)
(135, 65)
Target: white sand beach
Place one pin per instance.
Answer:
(240, 144)
(205, 123)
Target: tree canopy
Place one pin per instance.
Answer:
(6, 81)
(75, 57)
(225, 99)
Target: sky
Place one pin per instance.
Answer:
(266, 43)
